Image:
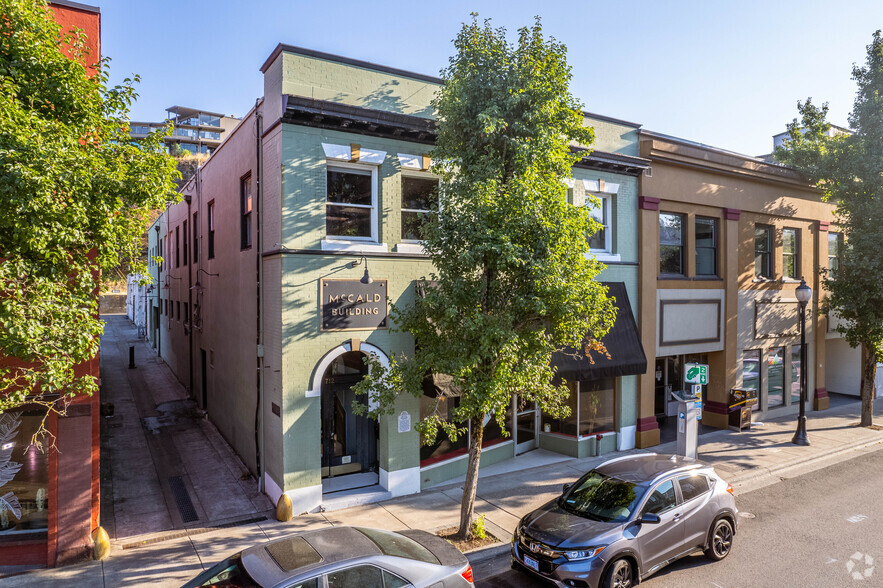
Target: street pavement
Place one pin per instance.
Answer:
(170, 555)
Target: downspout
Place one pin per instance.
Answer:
(258, 414)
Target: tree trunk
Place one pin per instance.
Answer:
(869, 371)
(467, 506)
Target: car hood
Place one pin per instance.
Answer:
(554, 526)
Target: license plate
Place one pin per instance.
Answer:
(532, 563)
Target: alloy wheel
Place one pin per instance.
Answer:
(723, 539)
(622, 577)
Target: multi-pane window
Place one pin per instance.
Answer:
(790, 253)
(419, 198)
(211, 229)
(706, 246)
(671, 243)
(195, 230)
(600, 240)
(763, 247)
(177, 246)
(350, 204)
(835, 250)
(245, 208)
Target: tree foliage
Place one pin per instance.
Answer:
(513, 280)
(848, 167)
(74, 196)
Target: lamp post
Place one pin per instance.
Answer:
(803, 294)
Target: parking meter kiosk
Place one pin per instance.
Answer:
(689, 415)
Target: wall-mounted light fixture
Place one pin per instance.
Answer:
(366, 279)
(197, 286)
(168, 277)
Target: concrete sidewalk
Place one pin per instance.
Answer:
(748, 460)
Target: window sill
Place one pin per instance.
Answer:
(673, 277)
(764, 281)
(606, 256)
(708, 279)
(790, 281)
(411, 248)
(354, 246)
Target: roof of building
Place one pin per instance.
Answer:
(76, 5)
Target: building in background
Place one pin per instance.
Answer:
(50, 494)
(260, 306)
(194, 131)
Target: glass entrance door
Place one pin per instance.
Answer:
(349, 441)
(526, 428)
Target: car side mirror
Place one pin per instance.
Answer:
(566, 487)
(650, 518)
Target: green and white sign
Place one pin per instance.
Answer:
(695, 373)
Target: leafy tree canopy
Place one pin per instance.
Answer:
(513, 280)
(74, 196)
(848, 167)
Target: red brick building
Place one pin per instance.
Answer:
(49, 500)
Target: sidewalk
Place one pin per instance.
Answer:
(748, 460)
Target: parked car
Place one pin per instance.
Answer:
(344, 557)
(625, 520)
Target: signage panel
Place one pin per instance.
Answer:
(350, 305)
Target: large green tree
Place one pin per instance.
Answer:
(513, 280)
(848, 167)
(74, 196)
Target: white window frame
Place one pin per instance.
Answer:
(358, 169)
(419, 176)
(607, 208)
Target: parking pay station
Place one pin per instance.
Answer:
(690, 409)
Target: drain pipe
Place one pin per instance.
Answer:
(259, 261)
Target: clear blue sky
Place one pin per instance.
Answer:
(724, 73)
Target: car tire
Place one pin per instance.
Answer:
(620, 574)
(720, 540)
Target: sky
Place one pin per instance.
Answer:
(724, 73)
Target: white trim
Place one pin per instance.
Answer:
(409, 247)
(604, 256)
(595, 186)
(354, 246)
(626, 438)
(401, 482)
(316, 390)
(345, 153)
(606, 206)
(305, 499)
(272, 489)
(407, 161)
(357, 168)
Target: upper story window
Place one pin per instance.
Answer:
(351, 203)
(791, 253)
(177, 246)
(601, 240)
(671, 244)
(763, 251)
(835, 251)
(246, 203)
(706, 246)
(211, 229)
(209, 120)
(186, 240)
(419, 198)
(195, 229)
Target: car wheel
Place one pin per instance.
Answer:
(720, 541)
(619, 575)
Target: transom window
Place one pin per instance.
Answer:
(419, 198)
(350, 206)
(671, 244)
(763, 247)
(706, 246)
(600, 211)
(790, 253)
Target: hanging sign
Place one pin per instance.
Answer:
(695, 373)
(350, 305)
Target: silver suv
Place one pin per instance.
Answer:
(625, 520)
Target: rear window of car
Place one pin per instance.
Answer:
(399, 546)
(227, 574)
(693, 486)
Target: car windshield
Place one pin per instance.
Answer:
(602, 498)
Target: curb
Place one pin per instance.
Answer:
(484, 553)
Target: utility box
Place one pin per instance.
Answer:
(689, 414)
(741, 401)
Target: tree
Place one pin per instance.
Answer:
(513, 282)
(848, 167)
(74, 195)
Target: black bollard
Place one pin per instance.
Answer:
(131, 357)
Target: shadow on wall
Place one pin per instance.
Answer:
(112, 304)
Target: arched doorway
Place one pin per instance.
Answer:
(349, 440)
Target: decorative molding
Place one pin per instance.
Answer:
(716, 407)
(732, 213)
(648, 203)
(769, 315)
(712, 301)
(823, 226)
(821, 392)
(647, 424)
(626, 438)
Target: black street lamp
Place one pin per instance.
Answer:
(803, 294)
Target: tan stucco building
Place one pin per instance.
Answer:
(725, 240)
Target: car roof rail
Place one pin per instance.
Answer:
(625, 457)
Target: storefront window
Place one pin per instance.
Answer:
(596, 406)
(775, 377)
(751, 370)
(443, 447)
(568, 425)
(24, 476)
(795, 374)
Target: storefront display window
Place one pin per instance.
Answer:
(592, 409)
(24, 477)
(751, 371)
(570, 424)
(795, 374)
(775, 377)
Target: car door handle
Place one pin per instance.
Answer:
(677, 517)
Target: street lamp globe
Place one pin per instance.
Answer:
(803, 293)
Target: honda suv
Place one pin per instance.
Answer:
(625, 520)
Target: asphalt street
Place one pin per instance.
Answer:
(824, 528)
